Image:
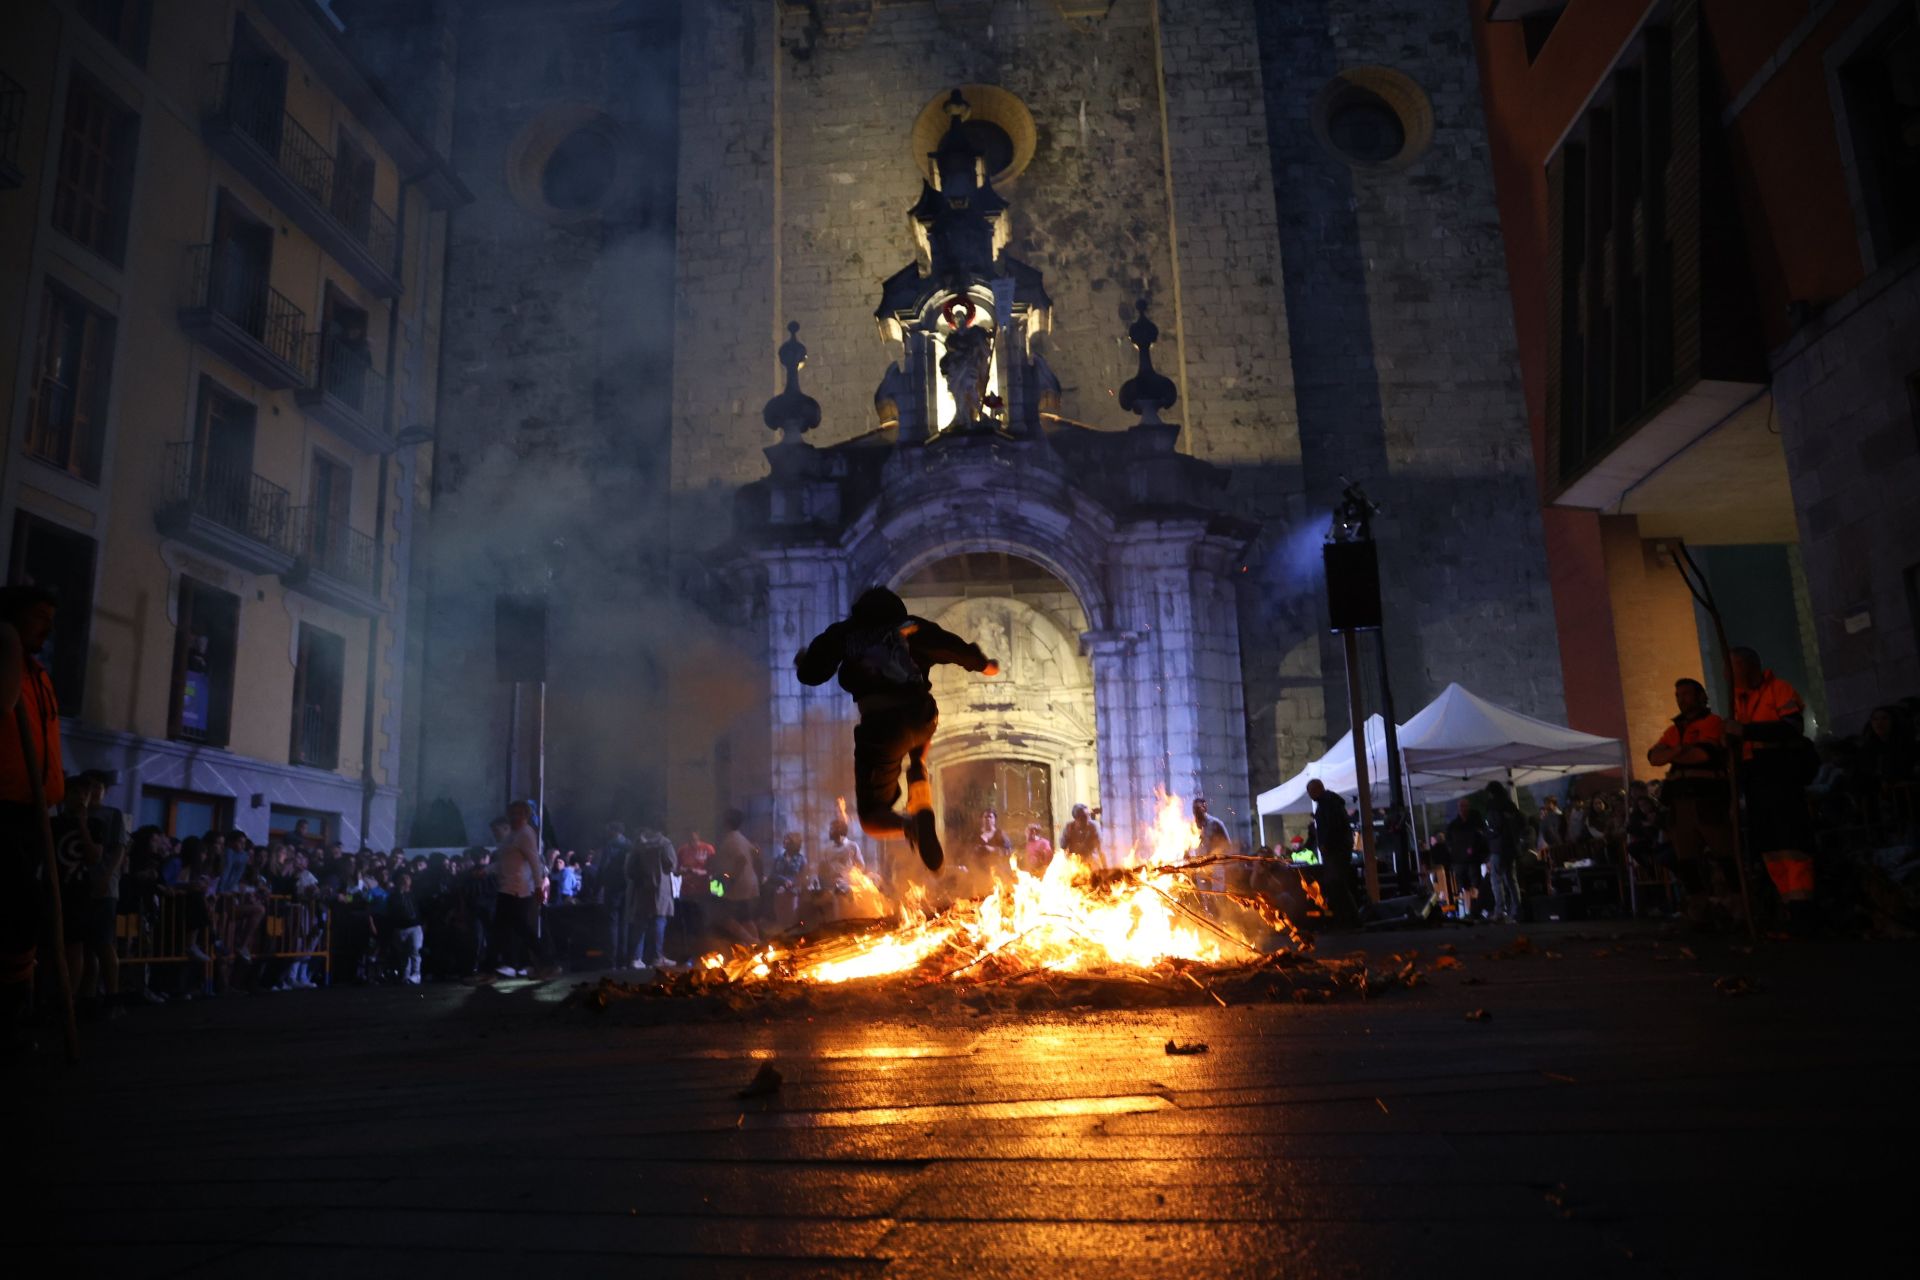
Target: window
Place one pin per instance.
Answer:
(205, 642)
(322, 828)
(257, 89)
(61, 560)
(184, 813)
(1881, 88)
(94, 187)
(330, 505)
(125, 23)
(1614, 278)
(240, 268)
(318, 678)
(345, 365)
(352, 202)
(67, 400)
(221, 484)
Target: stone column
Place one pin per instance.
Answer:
(1126, 780)
(810, 730)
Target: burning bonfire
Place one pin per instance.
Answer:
(1073, 919)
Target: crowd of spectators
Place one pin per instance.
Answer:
(155, 919)
(151, 918)
(1858, 812)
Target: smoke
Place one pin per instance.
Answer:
(552, 475)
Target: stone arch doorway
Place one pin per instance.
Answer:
(1024, 744)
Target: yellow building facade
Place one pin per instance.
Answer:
(219, 324)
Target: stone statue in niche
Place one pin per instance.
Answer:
(965, 366)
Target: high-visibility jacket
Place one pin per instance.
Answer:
(1766, 709)
(1703, 730)
(43, 730)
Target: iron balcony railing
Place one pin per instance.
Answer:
(13, 113)
(227, 281)
(250, 99)
(227, 495)
(316, 738)
(346, 373)
(330, 545)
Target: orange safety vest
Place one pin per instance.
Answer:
(43, 727)
(1770, 701)
(1703, 730)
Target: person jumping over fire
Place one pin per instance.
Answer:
(882, 654)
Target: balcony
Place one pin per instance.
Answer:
(347, 394)
(224, 511)
(13, 110)
(247, 124)
(232, 309)
(334, 564)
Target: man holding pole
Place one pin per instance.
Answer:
(32, 777)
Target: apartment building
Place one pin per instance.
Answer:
(220, 251)
(1712, 217)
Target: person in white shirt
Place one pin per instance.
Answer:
(512, 941)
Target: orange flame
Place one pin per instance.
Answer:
(1070, 918)
(840, 803)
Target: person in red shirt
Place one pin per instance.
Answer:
(1694, 749)
(1769, 724)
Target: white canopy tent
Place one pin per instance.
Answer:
(1335, 768)
(1455, 745)
(1460, 739)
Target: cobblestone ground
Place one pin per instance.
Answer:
(1614, 1113)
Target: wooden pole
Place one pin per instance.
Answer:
(1352, 642)
(28, 757)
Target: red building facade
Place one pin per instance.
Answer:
(1712, 214)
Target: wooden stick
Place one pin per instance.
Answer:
(39, 793)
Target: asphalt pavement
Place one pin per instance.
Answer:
(1631, 1103)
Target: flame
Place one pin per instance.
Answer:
(1071, 918)
(840, 803)
(1313, 891)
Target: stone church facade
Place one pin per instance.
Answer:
(1299, 194)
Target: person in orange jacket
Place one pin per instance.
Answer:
(1694, 749)
(1769, 725)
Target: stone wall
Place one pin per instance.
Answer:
(1850, 422)
(554, 413)
(1404, 366)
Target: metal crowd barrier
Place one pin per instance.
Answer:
(167, 931)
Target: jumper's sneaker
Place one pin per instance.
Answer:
(923, 833)
(508, 971)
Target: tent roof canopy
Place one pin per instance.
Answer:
(1454, 745)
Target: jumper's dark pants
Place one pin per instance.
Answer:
(893, 728)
